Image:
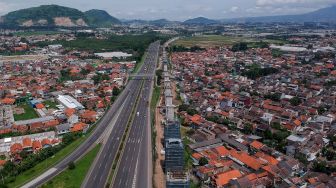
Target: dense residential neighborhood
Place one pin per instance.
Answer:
(52, 93)
(253, 118)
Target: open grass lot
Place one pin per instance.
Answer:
(30, 113)
(46, 164)
(74, 178)
(218, 40)
(50, 104)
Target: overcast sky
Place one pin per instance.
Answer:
(179, 9)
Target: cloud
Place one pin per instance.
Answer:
(234, 9)
(293, 2)
(4, 8)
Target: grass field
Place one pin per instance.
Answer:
(50, 104)
(74, 178)
(46, 164)
(29, 113)
(217, 40)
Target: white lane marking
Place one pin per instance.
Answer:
(135, 174)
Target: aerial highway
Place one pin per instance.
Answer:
(136, 146)
(109, 131)
(135, 168)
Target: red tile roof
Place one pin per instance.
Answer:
(8, 101)
(78, 127)
(197, 156)
(16, 148)
(45, 142)
(196, 119)
(26, 142)
(224, 178)
(257, 145)
(39, 106)
(268, 158)
(51, 123)
(37, 145)
(246, 159)
(69, 111)
(222, 151)
(2, 162)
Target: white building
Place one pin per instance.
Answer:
(69, 102)
(108, 55)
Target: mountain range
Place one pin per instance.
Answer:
(55, 15)
(322, 15)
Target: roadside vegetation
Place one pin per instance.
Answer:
(76, 172)
(16, 174)
(155, 99)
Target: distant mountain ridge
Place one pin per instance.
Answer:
(327, 14)
(55, 15)
(100, 18)
(158, 22)
(201, 20)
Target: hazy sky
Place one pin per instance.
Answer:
(179, 9)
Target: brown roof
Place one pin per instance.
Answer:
(257, 145)
(8, 101)
(16, 148)
(37, 145)
(69, 111)
(224, 178)
(26, 142)
(45, 141)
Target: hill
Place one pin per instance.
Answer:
(200, 21)
(55, 15)
(100, 18)
(158, 22)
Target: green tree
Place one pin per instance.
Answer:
(295, 101)
(241, 46)
(248, 129)
(115, 91)
(320, 166)
(71, 165)
(203, 161)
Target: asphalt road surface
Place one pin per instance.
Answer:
(138, 134)
(134, 165)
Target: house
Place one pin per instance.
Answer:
(88, 116)
(37, 145)
(78, 127)
(46, 143)
(63, 128)
(27, 144)
(16, 148)
(221, 180)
